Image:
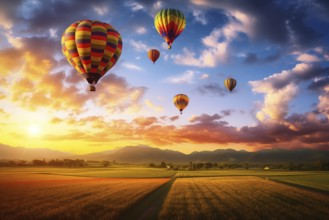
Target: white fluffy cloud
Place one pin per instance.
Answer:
(307, 58)
(218, 42)
(200, 17)
(187, 77)
(323, 105)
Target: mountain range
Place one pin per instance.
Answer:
(146, 154)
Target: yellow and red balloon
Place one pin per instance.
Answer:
(181, 101)
(92, 48)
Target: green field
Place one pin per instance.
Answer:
(113, 172)
(153, 193)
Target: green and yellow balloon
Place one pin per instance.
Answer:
(170, 23)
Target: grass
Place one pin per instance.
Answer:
(313, 179)
(241, 198)
(109, 172)
(66, 197)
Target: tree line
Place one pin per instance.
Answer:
(317, 165)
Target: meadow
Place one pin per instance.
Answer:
(152, 193)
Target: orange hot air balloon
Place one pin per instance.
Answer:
(181, 101)
(230, 83)
(92, 48)
(153, 55)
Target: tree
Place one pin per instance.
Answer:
(106, 163)
(163, 164)
(208, 165)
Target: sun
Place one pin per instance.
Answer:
(34, 130)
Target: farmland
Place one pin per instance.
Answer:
(241, 198)
(72, 198)
(152, 193)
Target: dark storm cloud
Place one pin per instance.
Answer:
(212, 88)
(282, 22)
(319, 85)
(251, 58)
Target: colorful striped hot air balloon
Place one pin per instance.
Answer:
(230, 83)
(153, 55)
(92, 48)
(181, 101)
(170, 23)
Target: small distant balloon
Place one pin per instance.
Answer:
(181, 101)
(92, 48)
(170, 23)
(153, 55)
(230, 83)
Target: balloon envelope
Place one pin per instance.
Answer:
(92, 48)
(170, 23)
(181, 101)
(230, 83)
(153, 55)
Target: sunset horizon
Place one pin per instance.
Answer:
(277, 52)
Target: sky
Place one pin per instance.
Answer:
(278, 51)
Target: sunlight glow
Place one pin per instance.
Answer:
(34, 130)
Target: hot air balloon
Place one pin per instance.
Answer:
(92, 48)
(153, 55)
(170, 23)
(181, 101)
(230, 83)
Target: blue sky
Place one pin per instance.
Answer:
(276, 50)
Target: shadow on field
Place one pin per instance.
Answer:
(308, 188)
(149, 206)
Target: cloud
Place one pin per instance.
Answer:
(134, 6)
(152, 106)
(212, 88)
(307, 58)
(131, 66)
(200, 17)
(251, 58)
(186, 78)
(217, 43)
(323, 105)
(143, 122)
(100, 10)
(276, 103)
(141, 30)
(281, 88)
(268, 20)
(301, 72)
(174, 118)
(139, 46)
(204, 76)
(205, 118)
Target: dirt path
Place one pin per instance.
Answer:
(150, 206)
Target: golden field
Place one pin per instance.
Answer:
(72, 197)
(241, 197)
(144, 193)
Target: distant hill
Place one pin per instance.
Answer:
(146, 154)
(21, 153)
(139, 154)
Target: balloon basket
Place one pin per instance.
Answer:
(92, 88)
